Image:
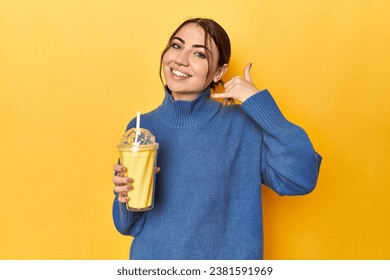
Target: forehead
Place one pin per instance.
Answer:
(194, 34)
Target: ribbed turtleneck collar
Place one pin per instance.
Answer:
(184, 113)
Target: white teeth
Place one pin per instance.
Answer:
(180, 74)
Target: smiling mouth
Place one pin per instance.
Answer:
(180, 74)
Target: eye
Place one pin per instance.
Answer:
(176, 46)
(200, 55)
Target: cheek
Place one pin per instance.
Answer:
(168, 56)
(165, 61)
(201, 67)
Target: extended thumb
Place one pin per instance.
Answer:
(247, 72)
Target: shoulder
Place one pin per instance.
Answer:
(236, 117)
(234, 111)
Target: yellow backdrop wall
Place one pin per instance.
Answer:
(73, 73)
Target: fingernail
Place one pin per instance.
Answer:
(129, 180)
(130, 187)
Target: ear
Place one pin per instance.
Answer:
(220, 72)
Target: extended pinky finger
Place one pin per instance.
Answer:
(220, 95)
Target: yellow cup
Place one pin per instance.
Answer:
(139, 158)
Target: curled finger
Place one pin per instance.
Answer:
(121, 189)
(123, 199)
(232, 81)
(119, 168)
(120, 181)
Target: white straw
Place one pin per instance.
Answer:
(138, 120)
(137, 127)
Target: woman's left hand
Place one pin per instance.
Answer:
(240, 88)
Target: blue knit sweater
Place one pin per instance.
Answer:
(213, 160)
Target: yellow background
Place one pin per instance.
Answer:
(74, 72)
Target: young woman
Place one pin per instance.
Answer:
(213, 158)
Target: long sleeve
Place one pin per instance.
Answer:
(289, 163)
(127, 222)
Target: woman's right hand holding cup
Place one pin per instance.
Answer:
(122, 184)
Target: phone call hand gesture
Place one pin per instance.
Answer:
(239, 88)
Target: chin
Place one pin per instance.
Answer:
(176, 88)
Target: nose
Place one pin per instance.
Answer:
(182, 59)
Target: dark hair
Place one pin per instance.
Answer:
(217, 33)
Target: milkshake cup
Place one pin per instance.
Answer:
(138, 153)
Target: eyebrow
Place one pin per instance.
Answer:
(194, 46)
